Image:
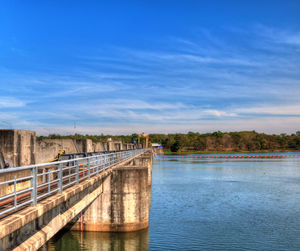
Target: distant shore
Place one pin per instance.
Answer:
(218, 152)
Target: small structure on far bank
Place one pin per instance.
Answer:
(157, 148)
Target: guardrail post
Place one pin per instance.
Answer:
(77, 171)
(34, 185)
(49, 188)
(89, 168)
(60, 178)
(108, 162)
(15, 190)
(97, 163)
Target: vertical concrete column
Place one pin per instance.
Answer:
(123, 206)
(110, 146)
(18, 146)
(104, 145)
(88, 146)
(145, 160)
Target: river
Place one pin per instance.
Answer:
(210, 204)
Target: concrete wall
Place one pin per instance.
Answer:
(123, 205)
(47, 149)
(18, 146)
(100, 146)
(22, 148)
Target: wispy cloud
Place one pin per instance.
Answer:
(11, 102)
(197, 82)
(290, 110)
(281, 36)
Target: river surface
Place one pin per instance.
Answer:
(213, 204)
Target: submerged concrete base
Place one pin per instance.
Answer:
(123, 206)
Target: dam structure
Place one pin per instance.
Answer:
(106, 191)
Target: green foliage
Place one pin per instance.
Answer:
(176, 146)
(216, 141)
(134, 137)
(218, 134)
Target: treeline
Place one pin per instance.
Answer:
(216, 141)
(227, 141)
(95, 138)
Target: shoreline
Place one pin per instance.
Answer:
(226, 152)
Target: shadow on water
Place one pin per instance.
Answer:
(75, 240)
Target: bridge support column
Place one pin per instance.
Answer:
(145, 160)
(123, 206)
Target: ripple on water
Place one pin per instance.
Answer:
(211, 205)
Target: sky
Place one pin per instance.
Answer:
(119, 67)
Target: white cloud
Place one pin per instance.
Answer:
(291, 110)
(10, 102)
(219, 113)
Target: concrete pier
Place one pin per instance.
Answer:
(123, 204)
(145, 160)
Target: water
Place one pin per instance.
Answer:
(211, 205)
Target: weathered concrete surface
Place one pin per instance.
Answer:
(145, 160)
(100, 146)
(32, 227)
(123, 206)
(22, 148)
(18, 146)
(47, 149)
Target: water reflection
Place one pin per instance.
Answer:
(75, 240)
(211, 205)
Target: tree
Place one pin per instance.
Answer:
(218, 134)
(176, 146)
(134, 137)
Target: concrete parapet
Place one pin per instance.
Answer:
(18, 146)
(47, 149)
(99, 146)
(88, 146)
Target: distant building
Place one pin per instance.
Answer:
(157, 148)
(156, 145)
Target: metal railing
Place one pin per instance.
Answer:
(27, 185)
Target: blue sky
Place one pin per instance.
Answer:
(152, 66)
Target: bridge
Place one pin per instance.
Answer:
(103, 191)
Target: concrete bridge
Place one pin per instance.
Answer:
(107, 191)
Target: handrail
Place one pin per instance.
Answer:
(47, 179)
